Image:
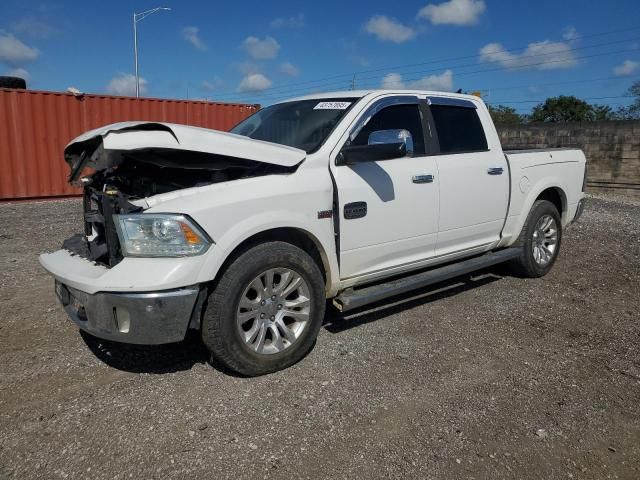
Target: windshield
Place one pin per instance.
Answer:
(303, 124)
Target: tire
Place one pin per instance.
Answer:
(539, 240)
(233, 323)
(12, 82)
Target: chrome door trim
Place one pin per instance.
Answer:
(451, 102)
(423, 178)
(376, 107)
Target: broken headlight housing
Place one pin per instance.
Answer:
(160, 235)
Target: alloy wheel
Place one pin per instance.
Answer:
(545, 240)
(274, 310)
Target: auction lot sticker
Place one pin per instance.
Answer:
(332, 106)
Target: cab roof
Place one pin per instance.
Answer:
(364, 93)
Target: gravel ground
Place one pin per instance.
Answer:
(488, 377)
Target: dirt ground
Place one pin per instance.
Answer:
(486, 377)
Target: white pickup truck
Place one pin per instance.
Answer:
(352, 196)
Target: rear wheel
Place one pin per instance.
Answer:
(540, 240)
(265, 312)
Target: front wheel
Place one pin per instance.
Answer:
(540, 240)
(266, 310)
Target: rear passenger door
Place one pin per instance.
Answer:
(473, 176)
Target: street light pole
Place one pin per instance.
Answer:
(135, 54)
(138, 17)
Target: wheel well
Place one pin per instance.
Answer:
(555, 196)
(294, 236)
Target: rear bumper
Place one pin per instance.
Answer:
(148, 318)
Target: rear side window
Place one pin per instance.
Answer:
(459, 129)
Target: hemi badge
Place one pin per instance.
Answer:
(325, 214)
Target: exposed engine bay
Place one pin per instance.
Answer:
(140, 159)
(143, 174)
(140, 175)
(121, 163)
(99, 242)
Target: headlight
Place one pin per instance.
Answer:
(160, 235)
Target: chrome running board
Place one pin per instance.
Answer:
(352, 298)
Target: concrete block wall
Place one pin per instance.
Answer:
(612, 149)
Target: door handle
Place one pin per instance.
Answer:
(423, 178)
(495, 170)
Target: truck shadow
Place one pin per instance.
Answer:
(156, 359)
(176, 357)
(337, 322)
(377, 178)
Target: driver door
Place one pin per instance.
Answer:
(388, 208)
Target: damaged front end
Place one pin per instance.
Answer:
(120, 165)
(99, 242)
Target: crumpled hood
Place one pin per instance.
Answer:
(91, 149)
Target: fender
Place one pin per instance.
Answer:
(522, 203)
(251, 226)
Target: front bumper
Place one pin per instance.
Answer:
(148, 318)
(130, 275)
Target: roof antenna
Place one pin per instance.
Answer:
(459, 90)
(353, 82)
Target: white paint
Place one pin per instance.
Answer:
(408, 225)
(473, 204)
(191, 139)
(401, 224)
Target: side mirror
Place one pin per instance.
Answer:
(392, 136)
(371, 153)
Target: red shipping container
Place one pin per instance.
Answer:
(35, 126)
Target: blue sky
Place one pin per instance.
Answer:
(514, 52)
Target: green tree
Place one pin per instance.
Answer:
(632, 112)
(503, 115)
(563, 109)
(603, 112)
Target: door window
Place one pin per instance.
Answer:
(459, 129)
(395, 118)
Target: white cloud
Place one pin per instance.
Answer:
(192, 35)
(125, 84)
(15, 53)
(388, 29)
(19, 72)
(213, 84)
(442, 82)
(297, 21)
(254, 82)
(261, 49)
(570, 34)
(289, 69)
(628, 67)
(393, 80)
(545, 55)
(454, 12)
